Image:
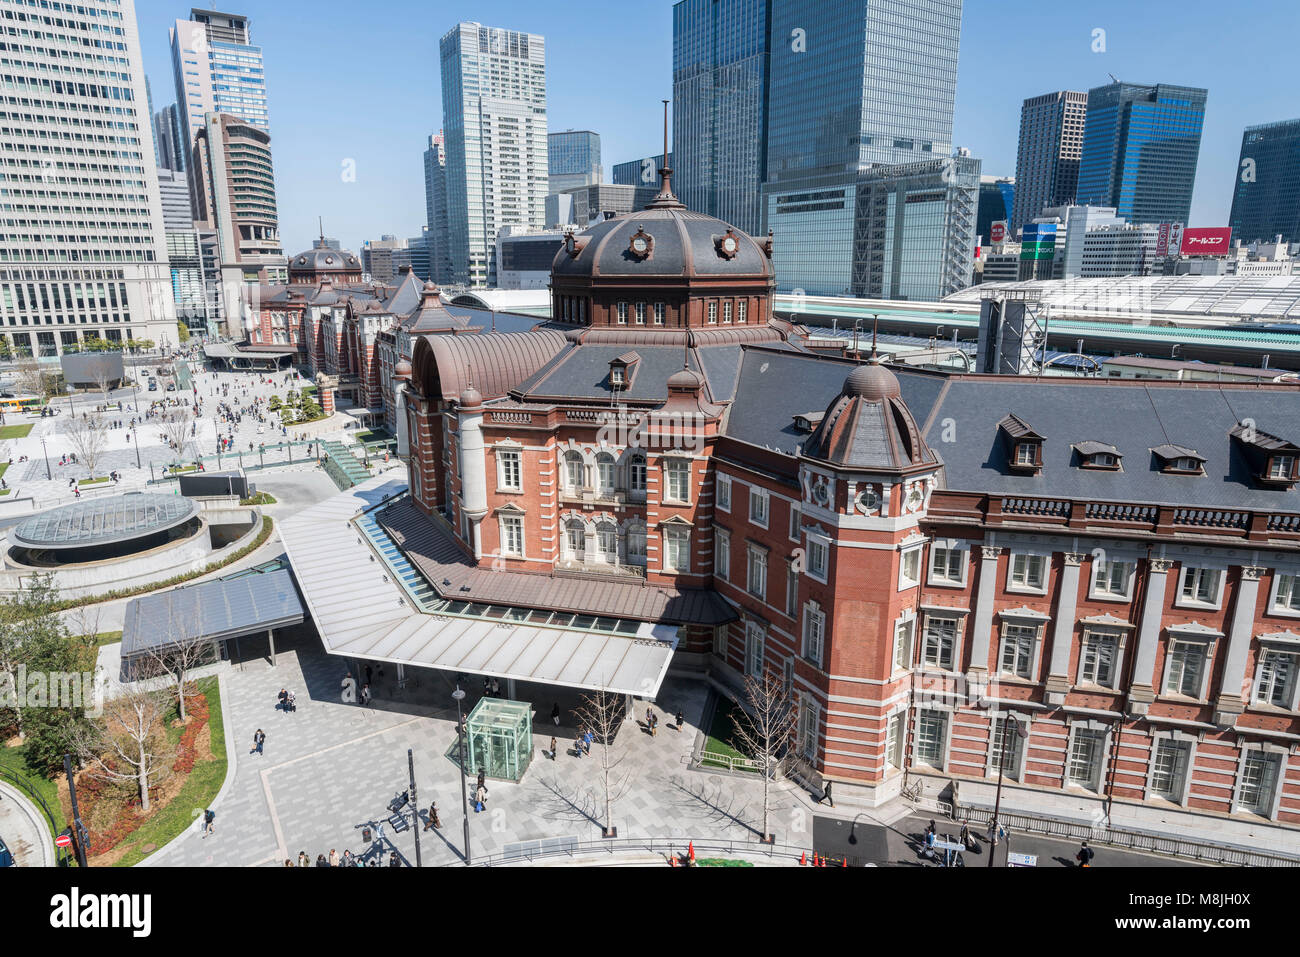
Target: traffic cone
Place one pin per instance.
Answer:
(815, 864)
(691, 852)
(672, 859)
(803, 859)
(844, 862)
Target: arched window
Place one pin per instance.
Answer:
(607, 542)
(573, 471)
(575, 540)
(605, 474)
(636, 472)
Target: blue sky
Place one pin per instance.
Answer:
(358, 81)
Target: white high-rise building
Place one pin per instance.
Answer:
(217, 70)
(494, 126)
(82, 248)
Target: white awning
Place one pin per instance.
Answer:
(361, 610)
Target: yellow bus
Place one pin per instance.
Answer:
(21, 404)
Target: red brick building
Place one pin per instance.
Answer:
(922, 557)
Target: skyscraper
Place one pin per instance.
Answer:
(850, 86)
(435, 209)
(170, 141)
(1047, 159)
(640, 172)
(573, 160)
(494, 121)
(82, 249)
(997, 199)
(720, 76)
(1140, 147)
(1266, 195)
(217, 70)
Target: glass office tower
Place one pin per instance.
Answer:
(851, 86)
(1140, 147)
(1047, 157)
(1266, 198)
(720, 52)
(574, 159)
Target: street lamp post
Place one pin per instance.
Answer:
(137, 445)
(48, 476)
(1007, 725)
(72, 405)
(415, 805)
(459, 695)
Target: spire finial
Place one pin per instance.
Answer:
(875, 329)
(665, 196)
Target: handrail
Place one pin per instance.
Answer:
(650, 845)
(22, 782)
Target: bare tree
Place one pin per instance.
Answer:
(176, 426)
(765, 730)
(28, 376)
(601, 713)
(129, 743)
(89, 437)
(184, 651)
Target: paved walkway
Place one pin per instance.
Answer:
(330, 767)
(23, 829)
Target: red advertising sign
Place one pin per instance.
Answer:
(1206, 240)
(998, 231)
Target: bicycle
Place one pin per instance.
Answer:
(912, 793)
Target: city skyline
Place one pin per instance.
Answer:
(380, 139)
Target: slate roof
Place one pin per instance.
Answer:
(684, 245)
(430, 548)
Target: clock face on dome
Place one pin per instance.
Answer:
(729, 244)
(640, 245)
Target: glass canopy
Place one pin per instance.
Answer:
(499, 738)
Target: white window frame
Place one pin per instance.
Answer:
(569, 551)
(506, 458)
(755, 640)
(756, 572)
(676, 536)
(634, 544)
(568, 460)
(903, 650)
(515, 522)
(1104, 569)
(636, 472)
(1101, 734)
(722, 554)
(947, 547)
(1092, 635)
(909, 554)
(742, 310)
(820, 545)
(1194, 575)
(814, 633)
(724, 493)
(791, 588)
(940, 714)
(640, 313)
(1187, 744)
(1030, 558)
(1273, 796)
(1015, 770)
(1175, 642)
(659, 313)
(1262, 689)
(721, 638)
(621, 312)
(673, 468)
(607, 556)
(1284, 596)
(895, 739)
(796, 522)
(958, 621)
(606, 466)
(1029, 659)
(759, 498)
(809, 723)
(712, 313)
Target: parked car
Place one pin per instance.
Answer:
(153, 385)
(6, 857)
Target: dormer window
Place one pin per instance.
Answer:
(1098, 455)
(1179, 460)
(1273, 459)
(808, 421)
(1025, 445)
(622, 369)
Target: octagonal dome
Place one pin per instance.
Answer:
(681, 243)
(325, 260)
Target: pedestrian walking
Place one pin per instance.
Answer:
(555, 713)
(283, 699)
(586, 742)
(1085, 855)
(681, 720)
(292, 702)
(303, 859)
(393, 860)
(365, 695)
(480, 797)
(577, 746)
(259, 739)
(826, 794)
(553, 748)
(433, 821)
(334, 858)
(209, 821)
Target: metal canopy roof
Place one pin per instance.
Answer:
(103, 521)
(360, 609)
(223, 608)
